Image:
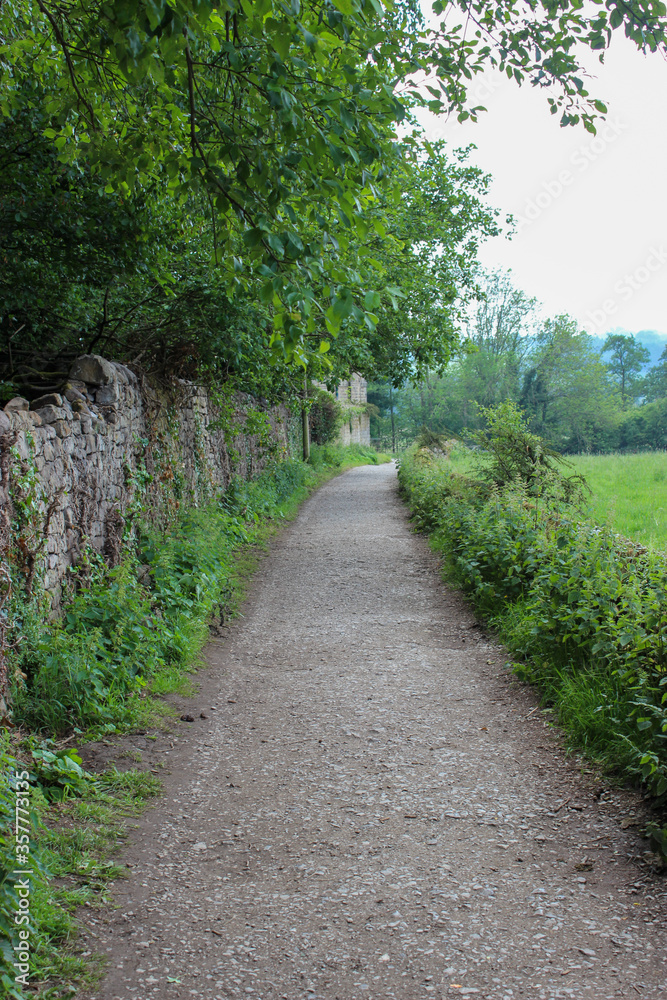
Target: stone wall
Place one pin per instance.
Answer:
(109, 436)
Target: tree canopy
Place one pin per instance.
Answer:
(239, 155)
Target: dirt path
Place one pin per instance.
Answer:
(372, 811)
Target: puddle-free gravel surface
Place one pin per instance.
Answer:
(372, 809)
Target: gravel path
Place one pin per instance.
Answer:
(373, 810)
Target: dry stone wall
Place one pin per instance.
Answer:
(108, 436)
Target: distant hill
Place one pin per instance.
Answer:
(652, 340)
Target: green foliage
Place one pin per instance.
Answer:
(339, 456)
(325, 416)
(73, 836)
(583, 608)
(177, 161)
(626, 360)
(59, 772)
(513, 455)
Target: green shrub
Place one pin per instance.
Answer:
(584, 609)
(325, 416)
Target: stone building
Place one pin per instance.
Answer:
(352, 396)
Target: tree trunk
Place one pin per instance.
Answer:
(393, 428)
(305, 423)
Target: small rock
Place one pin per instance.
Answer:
(16, 405)
(73, 394)
(588, 951)
(62, 428)
(107, 395)
(203, 715)
(187, 718)
(50, 399)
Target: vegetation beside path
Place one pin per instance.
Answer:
(583, 609)
(125, 638)
(628, 492)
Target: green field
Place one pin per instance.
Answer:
(629, 493)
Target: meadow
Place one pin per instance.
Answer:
(628, 491)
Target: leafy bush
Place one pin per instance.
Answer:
(325, 416)
(585, 609)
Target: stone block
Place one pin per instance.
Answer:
(80, 406)
(16, 405)
(93, 370)
(53, 562)
(86, 425)
(50, 399)
(107, 395)
(63, 428)
(50, 413)
(20, 420)
(5, 424)
(35, 418)
(74, 394)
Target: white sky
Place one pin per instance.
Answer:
(591, 212)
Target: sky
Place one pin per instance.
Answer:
(590, 211)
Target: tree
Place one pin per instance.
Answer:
(566, 389)
(655, 382)
(426, 247)
(280, 120)
(502, 318)
(627, 358)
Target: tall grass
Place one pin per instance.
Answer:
(629, 493)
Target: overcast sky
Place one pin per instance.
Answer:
(591, 212)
